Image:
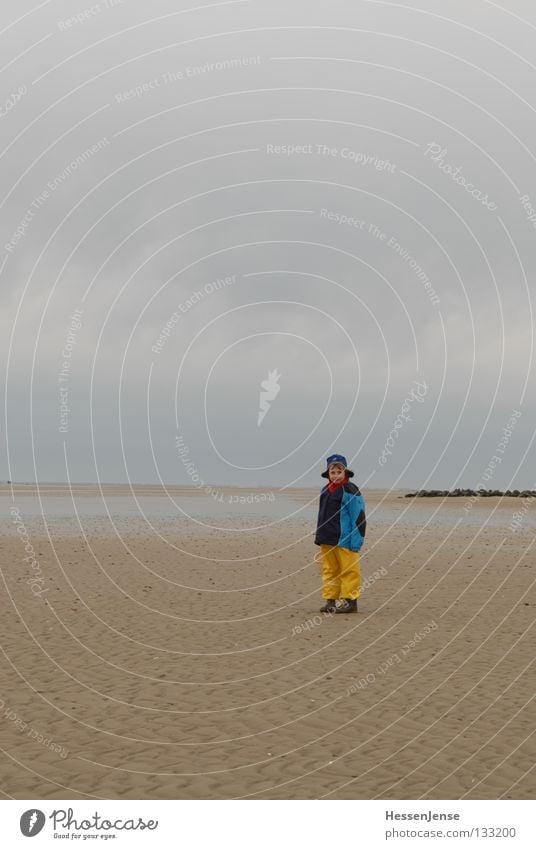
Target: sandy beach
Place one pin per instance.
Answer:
(166, 644)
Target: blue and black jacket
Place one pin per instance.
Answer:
(341, 517)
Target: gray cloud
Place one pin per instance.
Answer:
(340, 165)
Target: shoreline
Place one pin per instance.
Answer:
(173, 659)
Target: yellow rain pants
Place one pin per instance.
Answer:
(341, 573)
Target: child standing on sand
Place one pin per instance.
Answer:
(340, 533)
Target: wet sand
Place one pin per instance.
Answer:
(168, 645)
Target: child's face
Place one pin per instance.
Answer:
(336, 473)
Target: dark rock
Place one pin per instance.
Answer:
(472, 493)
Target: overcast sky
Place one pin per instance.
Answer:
(197, 195)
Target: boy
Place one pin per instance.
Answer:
(340, 533)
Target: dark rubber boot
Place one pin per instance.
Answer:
(346, 605)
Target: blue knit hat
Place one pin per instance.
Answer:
(336, 458)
